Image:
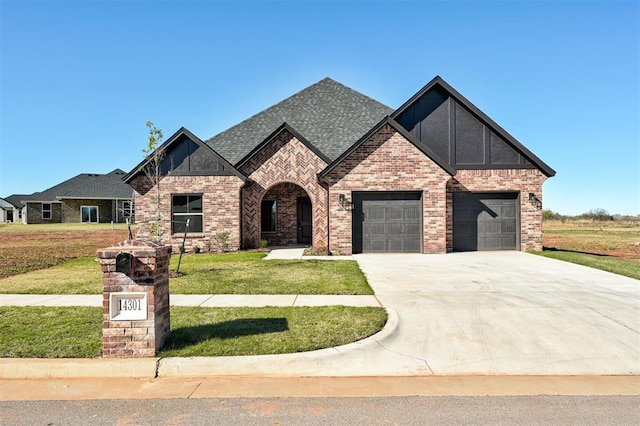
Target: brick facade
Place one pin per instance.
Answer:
(284, 160)
(524, 181)
(34, 213)
(388, 162)
(106, 210)
(136, 338)
(220, 203)
(286, 195)
(285, 169)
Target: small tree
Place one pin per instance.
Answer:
(153, 171)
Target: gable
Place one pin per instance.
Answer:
(386, 161)
(186, 157)
(330, 115)
(460, 133)
(283, 156)
(392, 124)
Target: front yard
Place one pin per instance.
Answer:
(57, 260)
(229, 273)
(76, 332)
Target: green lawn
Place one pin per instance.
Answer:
(247, 273)
(230, 273)
(45, 332)
(75, 332)
(81, 275)
(618, 266)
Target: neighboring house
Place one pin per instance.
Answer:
(14, 200)
(86, 198)
(7, 211)
(332, 168)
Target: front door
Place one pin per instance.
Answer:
(304, 220)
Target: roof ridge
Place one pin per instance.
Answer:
(271, 107)
(329, 114)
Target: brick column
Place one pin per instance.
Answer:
(135, 304)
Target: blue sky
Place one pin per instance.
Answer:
(79, 79)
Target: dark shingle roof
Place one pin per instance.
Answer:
(87, 185)
(328, 114)
(16, 199)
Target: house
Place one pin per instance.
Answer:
(6, 211)
(332, 168)
(85, 198)
(13, 213)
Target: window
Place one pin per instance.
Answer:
(46, 211)
(269, 210)
(126, 208)
(185, 207)
(89, 214)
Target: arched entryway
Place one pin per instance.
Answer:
(286, 215)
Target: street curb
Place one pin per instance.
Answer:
(67, 368)
(38, 368)
(320, 363)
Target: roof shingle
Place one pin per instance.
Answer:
(85, 185)
(328, 114)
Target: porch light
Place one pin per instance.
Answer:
(342, 199)
(535, 200)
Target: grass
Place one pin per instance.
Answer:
(76, 276)
(247, 273)
(230, 273)
(44, 332)
(269, 330)
(610, 246)
(624, 267)
(25, 248)
(611, 238)
(75, 332)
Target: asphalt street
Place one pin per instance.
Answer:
(410, 410)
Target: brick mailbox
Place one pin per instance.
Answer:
(135, 305)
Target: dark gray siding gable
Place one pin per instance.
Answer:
(457, 135)
(186, 157)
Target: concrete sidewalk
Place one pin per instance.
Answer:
(203, 300)
(296, 252)
(300, 387)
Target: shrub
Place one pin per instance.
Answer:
(222, 237)
(264, 244)
(316, 251)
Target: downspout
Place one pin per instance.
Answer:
(326, 185)
(241, 233)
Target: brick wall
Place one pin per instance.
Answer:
(221, 206)
(286, 195)
(284, 160)
(524, 181)
(136, 338)
(388, 162)
(71, 210)
(34, 213)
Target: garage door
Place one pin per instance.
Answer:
(387, 222)
(485, 221)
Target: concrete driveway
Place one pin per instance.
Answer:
(508, 313)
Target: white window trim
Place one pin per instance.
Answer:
(49, 210)
(126, 207)
(97, 214)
